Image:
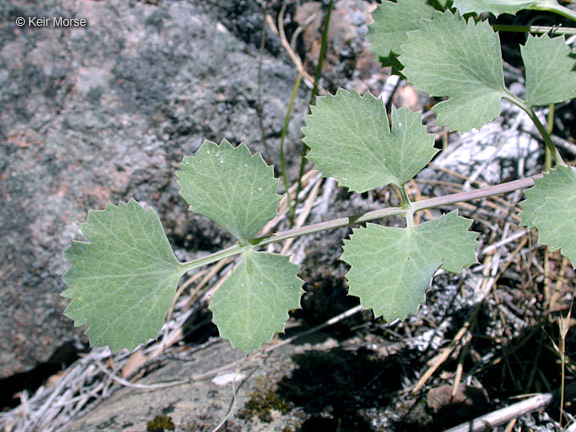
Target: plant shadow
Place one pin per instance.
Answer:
(336, 387)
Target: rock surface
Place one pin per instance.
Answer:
(194, 406)
(282, 390)
(104, 113)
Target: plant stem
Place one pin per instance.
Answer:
(407, 204)
(474, 194)
(317, 75)
(395, 211)
(282, 138)
(366, 217)
(549, 129)
(534, 29)
(259, 109)
(541, 129)
(560, 10)
(220, 255)
(322, 55)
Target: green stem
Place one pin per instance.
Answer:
(534, 29)
(366, 217)
(407, 204)
(282, 138)
(558, 9)
(231, 251)
(322, 55)
(395, 211)
(475, 194)
(317, 75)
(549, 129)
(541, 129)
(259, 109)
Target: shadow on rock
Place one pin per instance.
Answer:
(337, 387)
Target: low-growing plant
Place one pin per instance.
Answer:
(123, 280)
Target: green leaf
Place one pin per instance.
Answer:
(550, 207)
(391, 268)
(392, 22)
(550, 74)
(253, 302)
(235, 189)
(460, 60)
(123, 282)
(498, 7)
(350, 139)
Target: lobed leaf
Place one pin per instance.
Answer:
(550, 74)
(123, 282)
(235, 189)
(498, 7)
(461, 60)
(550, 207)
(350, 139)
(391, 268)
(392, 22)
(253, 302)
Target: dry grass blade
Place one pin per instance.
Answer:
(501, 416)
(564, 327)
(279, 31)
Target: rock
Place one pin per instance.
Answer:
(105, 113)
(197, 405)
(348, 62)
(313, 384)
(203, 401)
(467, 402)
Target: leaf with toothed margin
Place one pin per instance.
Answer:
(253, 302)
(459, 59)
(498, 7)
(392, 22)
(550, 70)
(235, 189)
(391, 268)
(350, 139)
(123, 281)
(550, 207)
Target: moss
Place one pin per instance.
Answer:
(198, 425)
(160, 424)
(264, 400)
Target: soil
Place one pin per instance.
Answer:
(105, 113)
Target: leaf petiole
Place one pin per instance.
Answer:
(541, 128)
(407, 205)
(535, 29)
(558, 9)
(366, 217)
(215, 257)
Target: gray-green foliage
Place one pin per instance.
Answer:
(498, 7)
(391, 268)
(350, 139)
(253, 302)
(460, 60)
(550, 207)
(122, 281)
(392, 22)
(235, 189)
(550, 74)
